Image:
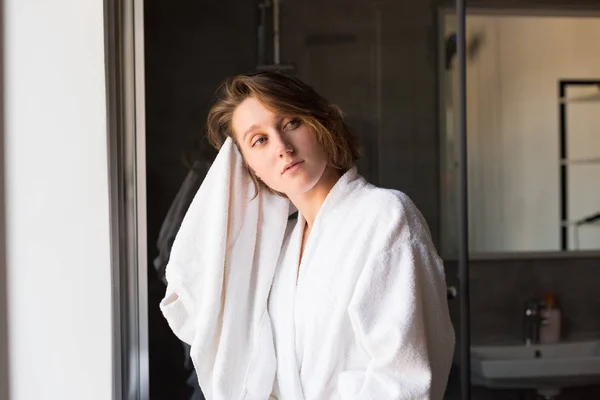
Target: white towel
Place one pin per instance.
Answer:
(219, 276)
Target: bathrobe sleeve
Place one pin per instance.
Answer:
(399, 314)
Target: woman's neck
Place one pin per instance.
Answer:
(309, 203)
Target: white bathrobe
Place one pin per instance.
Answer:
(365, 315)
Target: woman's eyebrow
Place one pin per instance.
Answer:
(253, 127)
(278, 121)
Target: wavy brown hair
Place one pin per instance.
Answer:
(287, 96)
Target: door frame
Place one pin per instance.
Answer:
(4, 362)
(125, 97)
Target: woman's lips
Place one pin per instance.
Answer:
(290, 166)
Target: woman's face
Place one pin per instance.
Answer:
(281, 150)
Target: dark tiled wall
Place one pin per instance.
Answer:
(377, 60)
(500, 288)
(190, 47)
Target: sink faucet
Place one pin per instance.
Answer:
(533, 320)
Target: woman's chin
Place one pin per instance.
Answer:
(302, 182)
(301, 188)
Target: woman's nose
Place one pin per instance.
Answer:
(287, 149)
(284, 146)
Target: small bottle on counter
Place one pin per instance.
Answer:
(550, 321)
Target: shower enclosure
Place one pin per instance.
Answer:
(382, 73)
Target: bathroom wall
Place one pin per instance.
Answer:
(383, 75)
(191, 46)
(58, 237)
(500, 288)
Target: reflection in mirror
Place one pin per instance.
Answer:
(533, 112)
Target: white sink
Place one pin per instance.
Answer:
(545, 366)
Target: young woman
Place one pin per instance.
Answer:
(357, 306)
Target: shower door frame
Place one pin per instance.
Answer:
(125, 96)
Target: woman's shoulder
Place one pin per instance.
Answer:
(389, 211)
(386, 203)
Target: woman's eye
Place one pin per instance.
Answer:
(292, 124)
(259, 141)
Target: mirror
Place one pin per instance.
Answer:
(533, 120)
